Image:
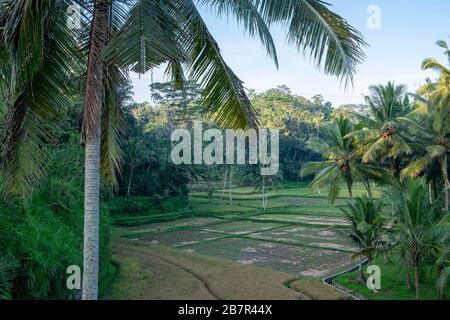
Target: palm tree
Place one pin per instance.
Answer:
(438, 91)
(442, 233)
(434, 111)
(430, 125)
(342, 164)
(366, 229)
(381, 135)
(417, 221)
(138, 35)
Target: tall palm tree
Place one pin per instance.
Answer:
(434, 134)
(339, 153)
(381, 135)
(342, 164)
(417, 221)
(139, 35)
(438, 91)
(366, 228)
(430, 125)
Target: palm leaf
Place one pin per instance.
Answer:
(313, 167)
(38, 93)
(247, 16)
(224, 96)
(443, 279)
(312, 27)
(116, 84)
(147, 38)
(415, 168)
(375, 150)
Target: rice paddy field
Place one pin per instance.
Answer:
(299, 232)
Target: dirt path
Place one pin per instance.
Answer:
(146, 276)
(156, 272)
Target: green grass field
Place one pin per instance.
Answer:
(393, 284)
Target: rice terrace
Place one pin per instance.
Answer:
(297, 238)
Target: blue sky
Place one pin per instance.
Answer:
(409, 31)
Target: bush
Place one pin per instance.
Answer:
(145, 206)
(45, 235)
(46, 239)
(141, 220)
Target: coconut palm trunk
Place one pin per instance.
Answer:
(362, 278)
(231, 186)
(225, 175)
(130, 179)
(91, 134)
(369, 189)
(430, 191)
(407, 278)
(349, 187)
(444, 167)
(417, 280)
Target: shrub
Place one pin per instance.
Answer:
(45, 241)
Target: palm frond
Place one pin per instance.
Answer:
(312, 27)
(433, 64)
(147, 38)
(415, 168)
(224, 96)
(314, 167)
(38, 93)
(247, 16)
(116, 84)
(375, 150)
(318, 145)
(443, 279)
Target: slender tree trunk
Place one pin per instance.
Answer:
(369, 189)
(407, 272)
(130, 180)
(231, 195)
(224, 183)
(362, 278)
(446, 182)
(91, 219)
(430, 192)
(264, 193)
(435, 189)
(408, 280)
(210, 189)
(417, 280)
(91, 133)
(349, 187)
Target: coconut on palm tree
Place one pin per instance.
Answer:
(43, 54)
